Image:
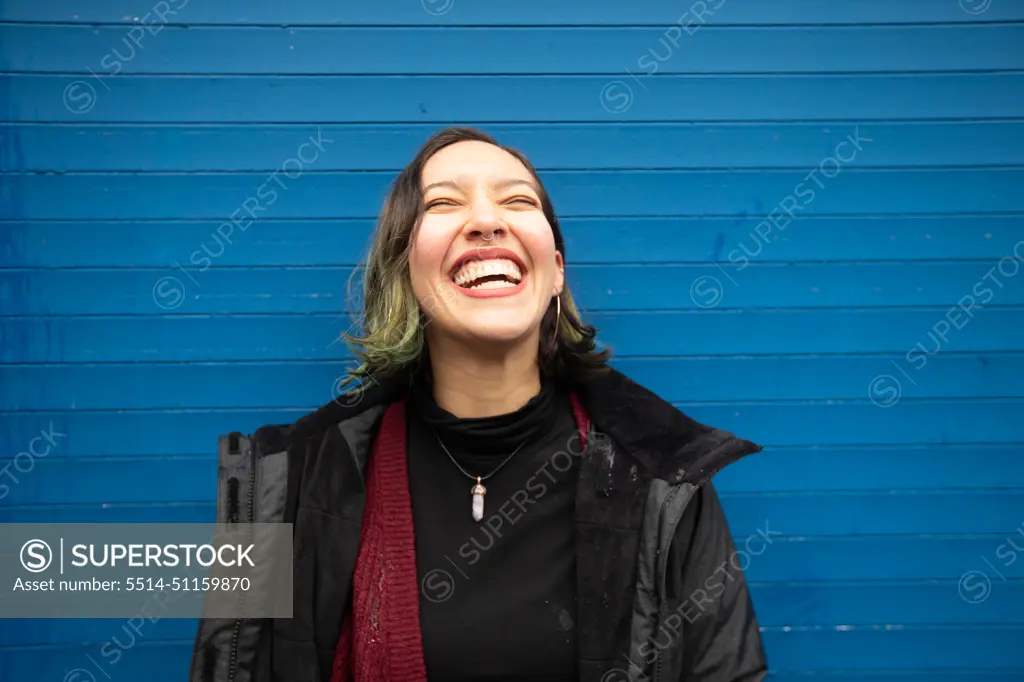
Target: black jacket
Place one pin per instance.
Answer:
(660, 588)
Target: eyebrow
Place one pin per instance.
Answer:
(505, 183)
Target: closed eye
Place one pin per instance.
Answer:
(440, 202)
(523, 200)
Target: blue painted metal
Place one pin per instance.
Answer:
(308, 243)
(538, 50)
(574, 193)
(524, 13)
(553, 146)
(490, 99)
(137, 320)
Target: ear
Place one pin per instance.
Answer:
(559, 273)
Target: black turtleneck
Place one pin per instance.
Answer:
(498, 596)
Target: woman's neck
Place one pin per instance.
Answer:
(471, 385)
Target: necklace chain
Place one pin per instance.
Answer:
(469, 475)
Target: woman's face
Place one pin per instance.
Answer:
(473, 289)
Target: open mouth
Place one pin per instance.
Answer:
(489, 270)
(499, 273)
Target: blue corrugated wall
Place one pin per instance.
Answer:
(799, 220)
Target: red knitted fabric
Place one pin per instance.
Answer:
(386, 643)
(582, 420)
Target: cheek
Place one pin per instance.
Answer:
(540, 244)
(427, 255)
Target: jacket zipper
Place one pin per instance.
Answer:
(232, 668)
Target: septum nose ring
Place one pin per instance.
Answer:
(493, 232)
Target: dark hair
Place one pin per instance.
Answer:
(392, 338)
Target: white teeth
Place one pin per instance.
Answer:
(474, 270)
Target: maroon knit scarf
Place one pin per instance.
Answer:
(385, 645)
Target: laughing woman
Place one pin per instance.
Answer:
(490, 500)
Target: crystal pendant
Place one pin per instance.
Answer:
(478, 500)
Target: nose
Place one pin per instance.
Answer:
(484, 223)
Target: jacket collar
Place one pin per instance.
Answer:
(660, 439)
(372, 394)
(665, 442)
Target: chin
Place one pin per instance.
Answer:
(500, 329)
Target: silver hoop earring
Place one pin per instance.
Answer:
(558, 320)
